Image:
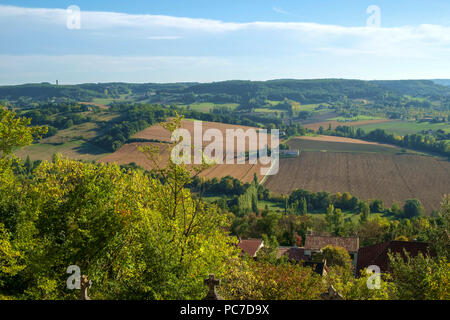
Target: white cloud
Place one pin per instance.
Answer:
(416, 49)
(95, 20)
(280, 10)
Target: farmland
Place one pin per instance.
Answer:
(158, 133)
(73, 142)
(335, 123)
(208, 106)
(403, 127)
(366, 171)
(130, 152)
(338, 144)
(74, 149)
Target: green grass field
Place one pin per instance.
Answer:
(313, 107)
(357, 118)
(107, 101)
(354, 217)
(268, 110)
(71, 142)
(405, 127)
(208, 106)
(76, 149)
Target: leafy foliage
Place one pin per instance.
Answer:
(420, 277)
(14, 131)
(335, 256)
(249, 280)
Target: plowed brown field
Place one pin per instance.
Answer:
(130, 152)
(157, 132)
(384, 176)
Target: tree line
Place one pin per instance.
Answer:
(418, 142)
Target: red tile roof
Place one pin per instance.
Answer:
(250, 246)
(378, 254)
(351, 244)
(293, 253)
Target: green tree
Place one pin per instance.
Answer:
(268, 253)
(420, 277)
(269, 224)
(335, 220)
(254, 203)
(16, 132)
(352, 288)
(250, 280)
(364, 213)
(374, 230)
(413, 208)
(135, 236)
(302, 206)
(437, 234)
(335, 256)
(376, 206)
(10, 258)
(396, 210)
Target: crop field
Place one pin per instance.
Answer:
(106, 101)
(72, 142)
(243, 172)
(208, 106)
(334, 123)
(101, 106)
(357, 118)
(87, 130)
(158, 133)
(130, 152)
(269, 110)
(404, 127)
(385, 176)
(310, 107)
(74, 149)
(339, 144)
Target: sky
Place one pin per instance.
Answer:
(203, 41)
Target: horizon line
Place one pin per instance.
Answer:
(218, 81)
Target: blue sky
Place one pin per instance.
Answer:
(182, 40)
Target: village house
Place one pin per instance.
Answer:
(297, 255)
(250, 246)
(292, 253)
(314, 244)
(377, 254)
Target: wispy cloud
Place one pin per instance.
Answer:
(259, 49)
(280, 10)
(95, 20)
